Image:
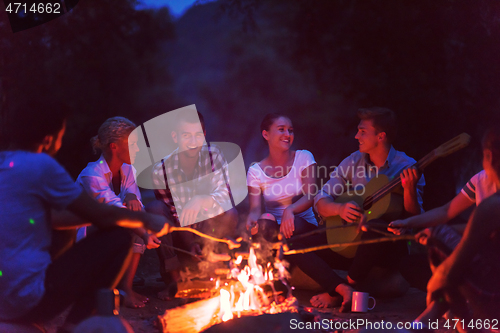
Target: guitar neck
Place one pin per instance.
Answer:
(445, 149)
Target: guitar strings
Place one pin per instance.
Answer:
(395, 182)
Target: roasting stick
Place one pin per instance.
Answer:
(320, 230)
(231, 243)
(369, 225)
(235, 244)
(181, 250)
(368, 241)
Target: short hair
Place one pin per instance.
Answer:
(112, 130)
(491, 141)
(29, 123)
(190, 118)
(383, 119)
(269, 120)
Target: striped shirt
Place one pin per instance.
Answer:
(479, 187)
(210, 178)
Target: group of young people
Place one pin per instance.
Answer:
(464, 268)
(37, 195)
(272, 179)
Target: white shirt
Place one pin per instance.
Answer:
(279, 192)
(96, 180)
(479, 187)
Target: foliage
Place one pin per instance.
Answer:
(433, 62)
(102, 59)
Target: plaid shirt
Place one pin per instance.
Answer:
(210, 178)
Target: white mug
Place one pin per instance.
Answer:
(360, 302)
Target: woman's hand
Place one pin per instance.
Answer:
(287, 223)
(132, 203)
(252, 224)
(151, 241)
(350, 211)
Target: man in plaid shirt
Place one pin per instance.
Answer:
(191, 190)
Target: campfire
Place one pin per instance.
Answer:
(246, 290)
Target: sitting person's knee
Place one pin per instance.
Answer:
(156, 207)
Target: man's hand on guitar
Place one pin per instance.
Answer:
(350, 212)
(409, 178)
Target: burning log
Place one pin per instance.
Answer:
(243, 255)
(222, 271)
(263, 323)
(190, 318)
(214, 257)
(253, 294)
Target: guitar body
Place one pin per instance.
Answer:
(389, 207)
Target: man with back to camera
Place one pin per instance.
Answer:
(33, 288)
(191, 186)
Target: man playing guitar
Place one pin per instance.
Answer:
(375, 156)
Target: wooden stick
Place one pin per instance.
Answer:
(232, 244)
(181, 250)
(379, 231)
(320, 230)
(349, 225)
(368, 241)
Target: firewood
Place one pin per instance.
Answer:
(190, 318)
(263, 323)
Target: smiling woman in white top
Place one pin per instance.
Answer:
(285, 178)
(111, 180)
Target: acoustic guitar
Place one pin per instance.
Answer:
(382, 199)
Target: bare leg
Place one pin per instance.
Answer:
(170, 279)
(434, 310)
(132, 299)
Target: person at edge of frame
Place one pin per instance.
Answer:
(36, 195)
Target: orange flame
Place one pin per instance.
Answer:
(225, 305)
(251, 297)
